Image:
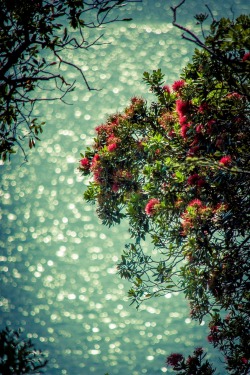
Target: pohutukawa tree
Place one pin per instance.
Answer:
(35, 37)
(179, 170)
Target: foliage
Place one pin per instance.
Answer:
(18, 356)
(34, 36)
(193, 365)
(179, 169)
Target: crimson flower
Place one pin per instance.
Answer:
(195, 203)
(182, 107)
(199, 128)
(84, 163)
(200, 183)
(101, 128)
(184, 130)
(210, 338)
(174, 359)
(112, 147)
(193, 179)
(226, 160)
(214, 329)
(182, 119)
(95, 161)
(177, 85)
(97, 176)
(151, 205)
(203, 107)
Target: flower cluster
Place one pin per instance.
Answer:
(225, 160)
(84, 164)
(196, 180)
(151, 206)
(178, 85)
(195, 215)
(174, 359)
(194, 364)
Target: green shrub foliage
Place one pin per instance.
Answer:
(18, 356)
(178, 169)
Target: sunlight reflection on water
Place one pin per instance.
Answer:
(58, 263)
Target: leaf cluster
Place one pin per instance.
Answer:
(18, 356)
(35, 39)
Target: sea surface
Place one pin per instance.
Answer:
(57, 261)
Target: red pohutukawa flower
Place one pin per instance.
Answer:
(174, 359)
(214, 334)
(182, 107)
(187, 224)
(95, 161)
(84, 163)
(192, 180)
(112, 147)
(199, 128)
(193, 151)
(111, 139)
(214, 329)
(226, 160)
(182, 119)
(100, 128)
(178, 85)
(136, 100)
(184, 130)
(210, 338)
(195, 179)
(201, 182)
(195, 203)
(210, 124)
(150, 208)
(203, 107)
(97, 176)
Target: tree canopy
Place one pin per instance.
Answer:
(178, 169)
(35, 37)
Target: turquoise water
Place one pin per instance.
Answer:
(58, 263)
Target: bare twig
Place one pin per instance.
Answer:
(193, 37)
